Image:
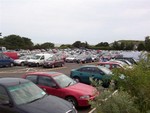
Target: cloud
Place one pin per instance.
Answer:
(65, 21)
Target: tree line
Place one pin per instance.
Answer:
(17, 42)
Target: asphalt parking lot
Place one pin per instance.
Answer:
(18, 71)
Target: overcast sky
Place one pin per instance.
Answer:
(67, 21)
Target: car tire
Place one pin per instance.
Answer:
(22, 63)
(62, 65)
(37, 65)
(77, 79)
(72, 100)
(53, 66)
(11, 64)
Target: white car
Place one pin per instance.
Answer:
(38, 59)
(22, 60)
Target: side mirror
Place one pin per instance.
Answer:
(54, 86)
(102, 73)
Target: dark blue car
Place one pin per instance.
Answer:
(6, 61)
(22, 96)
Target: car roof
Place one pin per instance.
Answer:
(89, 66)
(108, 62)
(12, 81)
(51, 73)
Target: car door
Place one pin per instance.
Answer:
(4, 99)
(4, 61)
(96, 73)
(41, 60)
(49, 86)
(84, 74)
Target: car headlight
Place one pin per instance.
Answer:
(85, 97)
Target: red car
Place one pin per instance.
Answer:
(111, 65)
(53, 62)
(61, 85)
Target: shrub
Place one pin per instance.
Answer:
(137, 83)
(120, 102)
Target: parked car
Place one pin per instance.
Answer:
(53, 61)
(18, 95)
(6, 61)
(111, 65)
(38, 59)
(70, 59)
(22, 61)
(83, 59)
(84, 73)
(61, 85)
(11, 54)
(130, 59)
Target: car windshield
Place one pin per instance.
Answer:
(36, 57)
(50, 59)
(26, 93)
(105, 70)
(64, 80)
(22, 58)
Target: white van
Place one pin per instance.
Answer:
(38, 59)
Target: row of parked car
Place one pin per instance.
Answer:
(33, 93)
(58, 57)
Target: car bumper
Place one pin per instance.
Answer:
(85, 102)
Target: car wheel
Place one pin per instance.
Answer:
(37, 65)
(62, 65)
(53, 66)
(77, 79)
(11, 64)
(72, 100)
(22, 63)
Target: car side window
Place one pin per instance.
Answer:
(84, 69)
(46, 81)
(3, 95)
(32, 78)
(42, 58)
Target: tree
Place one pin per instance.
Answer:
(47, 45)
(28, 44)
(77, 44)
(37, 46)
(122, 46)
(64, 46)
(116, 46)
(102, 44)
(129, 46)
(2, 42)
(141, 47)
(14, 42)
(147, 43)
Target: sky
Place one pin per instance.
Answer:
(67, 21)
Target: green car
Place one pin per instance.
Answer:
(83, 74)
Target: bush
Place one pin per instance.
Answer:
(133, 91)
(120, 102)
(137, 83)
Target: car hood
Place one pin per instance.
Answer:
(82, 89)
(19, 60)
(32, 60)
(49, 104)
(48, 61)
